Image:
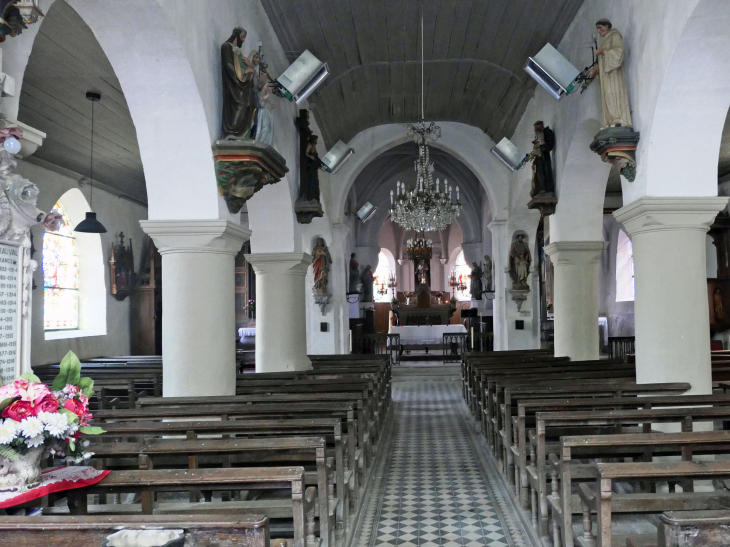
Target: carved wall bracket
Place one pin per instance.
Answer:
(243, 167)
(322, 300)
(545, 203)
(519, 296)
(617, 146)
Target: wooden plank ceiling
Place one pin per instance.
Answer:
(65, 63)
(474, 55)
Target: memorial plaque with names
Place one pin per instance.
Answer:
(10, 291)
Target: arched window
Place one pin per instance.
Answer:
(382, 274)
(625, 285)
(60, 277)
(462, 271)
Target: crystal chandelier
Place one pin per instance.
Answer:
(419, 249)
(425, 206)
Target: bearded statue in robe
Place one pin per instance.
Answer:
(615, 99)
(239, 95)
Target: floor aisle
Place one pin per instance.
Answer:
(433, 486)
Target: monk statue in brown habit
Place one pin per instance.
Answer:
(239, 95)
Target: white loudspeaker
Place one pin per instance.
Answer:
(552, 71)
(366, 212)
(303, 77)
(336, 157)
(508, 154)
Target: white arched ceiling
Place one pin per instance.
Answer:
(681, 150)
(160, 90)
(467, 144)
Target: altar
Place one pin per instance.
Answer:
(426, 334)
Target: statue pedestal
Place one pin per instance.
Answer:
(244, 167)
(519, 295)
(617, 145)
(322, 300)
(307, 210)
(545, 203)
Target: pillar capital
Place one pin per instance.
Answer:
(650, 214)
(575, 252)
(294, 263)
(215, 236)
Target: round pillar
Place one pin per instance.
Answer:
(671, 310)
(281, 316)
(198, 321)
(576, 297)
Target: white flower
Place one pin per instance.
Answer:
(85, 443)
(46, 417)
(31, 427)
(34, 441)
(8, 431)
(72, 428)
(56, 424)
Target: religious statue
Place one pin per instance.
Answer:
(367, 280)
(476, 281)
(718, 306)
(615, 99)
(616, 143)
(488, 273)
(239, 101)
(121, 265)
(542, 165)
(307, 205)
(519, 263)
(263, 130)
(321, 265)
(354, 279)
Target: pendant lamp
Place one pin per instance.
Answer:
(90, 225)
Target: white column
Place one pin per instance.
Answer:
(576, 297)
(198, 319)
(340, 282)
(281, 315)
(500, 255)
(671, 311)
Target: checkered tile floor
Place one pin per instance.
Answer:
(433, 487)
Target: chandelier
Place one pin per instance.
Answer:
(419, 249)
(425, 206)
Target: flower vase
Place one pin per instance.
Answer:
(22, 474)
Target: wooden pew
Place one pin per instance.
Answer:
(537, 474)
(156, 453)
(564, 471)
(165, 480)
(692, 529)
(604, 502)
(91, 531)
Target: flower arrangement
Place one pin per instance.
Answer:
(54, 418)
(408, 294)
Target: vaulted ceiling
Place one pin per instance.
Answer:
(475, 51)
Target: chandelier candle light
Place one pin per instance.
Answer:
(425, 206)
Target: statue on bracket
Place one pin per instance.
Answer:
(16, 15)
(519, 263)
(121, 266)
(354, 279)
(367, 279)
(543, 182)
(616, 143)
(321, 266)
(245, 160)
(308, 205)
(488, 273)
(476, 281)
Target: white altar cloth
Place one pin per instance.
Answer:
(433, 333)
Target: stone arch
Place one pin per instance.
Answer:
(466, 143)
(163, 100)
(581, 188)
(682, 147)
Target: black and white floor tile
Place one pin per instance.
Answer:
(433, 486)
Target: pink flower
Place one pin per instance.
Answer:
(18, 411)
(76, 407)
(31, 390)
(21, 383)
(9, 392)
(47, 403)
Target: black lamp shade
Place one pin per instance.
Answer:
(90, 225)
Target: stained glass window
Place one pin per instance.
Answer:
(382, 275)
(463, 274)
(60, 277)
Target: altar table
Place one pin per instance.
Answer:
(427, 334)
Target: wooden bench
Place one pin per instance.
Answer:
(692, 529)
(564, 470)
(92, 531)
(604, 502)
(164, 480)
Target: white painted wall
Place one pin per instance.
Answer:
(116, 215)
(620, 315)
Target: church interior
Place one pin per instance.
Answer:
(363, 273)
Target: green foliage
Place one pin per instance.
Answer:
(87, 386)
(69, 373)
(72, 418)
(7, 402)
(9, 453)
(30, 377)
(91, 430)
(71, 445)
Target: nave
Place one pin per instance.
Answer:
(434, 484)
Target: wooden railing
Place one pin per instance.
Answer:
(378, 344)
(454, 346)
(621, 346)
(483, 341)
